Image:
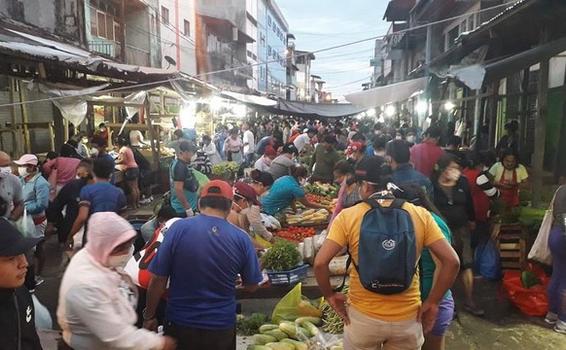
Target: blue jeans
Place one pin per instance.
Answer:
(557, 286)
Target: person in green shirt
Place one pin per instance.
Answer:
(324, 159)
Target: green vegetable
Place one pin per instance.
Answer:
(258, 347)
(314, 320)
(297, 344)
(336, 347)
(311, 328)
(277, 333)
(331, 322)
(262, 339)
(529, 279)
(283, 256)
(280, 346)
(268, 327)
(288, 328)
(225, 170)
(250, 325)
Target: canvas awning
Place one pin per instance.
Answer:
(383, 95)
(315, 110)
(252, 100)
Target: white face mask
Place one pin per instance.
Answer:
(379, 153)
(453, 174)
(5, 170)
(120, 261)
(302, 182)
(411, 139)
(23, 171)
(398, 137)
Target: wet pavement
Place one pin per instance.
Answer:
(503, 327)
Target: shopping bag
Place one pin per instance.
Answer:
(487, 261)
(531, 301)
(292, 306)
(25, 225)
(540, 250)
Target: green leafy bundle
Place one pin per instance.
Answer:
(283, 256)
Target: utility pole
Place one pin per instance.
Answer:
(540, 124)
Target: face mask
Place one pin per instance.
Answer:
(5, 170)
(302, 182)
(411, 139)
(398, 137)
(453, 174)
(23, 171)
(379, 153)
(120, 260)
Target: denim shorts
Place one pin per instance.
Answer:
(444, 317)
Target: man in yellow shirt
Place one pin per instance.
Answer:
(377, 321)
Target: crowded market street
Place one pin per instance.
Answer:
(282, 175)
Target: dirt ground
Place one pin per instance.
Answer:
(503, 327)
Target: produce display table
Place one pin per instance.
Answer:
(309, 289)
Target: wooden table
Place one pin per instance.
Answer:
(309, 289)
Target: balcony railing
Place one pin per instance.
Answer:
(106, 48)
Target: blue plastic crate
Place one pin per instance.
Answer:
(288, 277)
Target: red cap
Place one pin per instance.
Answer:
(354, 147)
(246, 191)
(270, 151)
(217, 188)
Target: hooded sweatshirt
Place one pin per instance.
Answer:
(96, 303)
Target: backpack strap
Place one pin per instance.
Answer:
(348, 262)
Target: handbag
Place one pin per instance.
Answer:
(540, 250)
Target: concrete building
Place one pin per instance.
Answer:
(222, 44)
(126, 31)
(177, 27)
(252, 47)
(292, 68)
(305, 88)
(272, 49)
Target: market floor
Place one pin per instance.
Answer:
(503, 327)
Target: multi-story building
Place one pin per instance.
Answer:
(272, 49)
(124, 30)
(222, 44)
(305, 88)
(177, 29)
(291, 68)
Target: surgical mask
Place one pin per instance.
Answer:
(398, 137)
(120, 261)
(411, 139)
(453, 174)
(5, 170)
(23, 171)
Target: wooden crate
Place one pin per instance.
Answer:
(511, 240)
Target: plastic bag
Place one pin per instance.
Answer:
(293, 306)
(487, 261)
(42, 316)
(530, 301)
(540, 250)
(25, 225)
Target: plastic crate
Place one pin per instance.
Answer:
(288, 277)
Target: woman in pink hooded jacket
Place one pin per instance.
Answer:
(97, 300)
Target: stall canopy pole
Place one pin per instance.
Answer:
(152, 136)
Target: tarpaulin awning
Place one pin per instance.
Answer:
(383, 95)
(252, 100)
(315, 110)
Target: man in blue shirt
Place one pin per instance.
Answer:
(399, 154)
(202, 257)
(184, 185)
(98, 197)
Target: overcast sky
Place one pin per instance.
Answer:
(319, 24)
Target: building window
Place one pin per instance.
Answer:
(262, 39)
(187, 28)
(268, 22)
(101, 24)
(268, 51)
(451, 37)
(164, 15)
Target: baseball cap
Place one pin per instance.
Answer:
(27, 159)
(186, 146)
(246, 191)
(354, 147)
(290, 148)
(12, 242)
(217, 188)
(370, 169)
